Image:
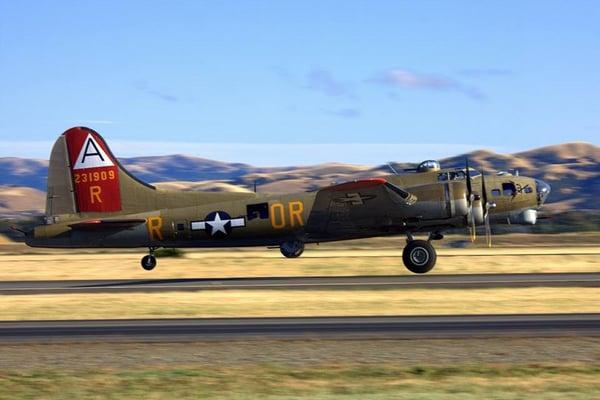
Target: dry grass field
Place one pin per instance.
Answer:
(316, 261)
(502, 368)
(296, 303)
(372, 257)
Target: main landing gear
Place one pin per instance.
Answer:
(292, 248)
(149, 261)
(419, 256)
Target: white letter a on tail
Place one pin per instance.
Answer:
(92, 155)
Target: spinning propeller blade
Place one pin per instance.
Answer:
(469, 184)
(486, 216)
(470, 201)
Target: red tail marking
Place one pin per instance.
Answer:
(95, 172)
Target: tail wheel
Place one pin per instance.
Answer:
(148, 262)
(419, 256)
(292, 248)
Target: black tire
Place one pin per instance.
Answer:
(292, 248)
(419, 256)
(148, 262)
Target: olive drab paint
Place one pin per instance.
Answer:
(92, 201)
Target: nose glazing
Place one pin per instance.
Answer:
(543, 190)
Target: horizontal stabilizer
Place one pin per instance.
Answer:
(15, 229)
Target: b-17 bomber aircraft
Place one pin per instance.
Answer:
(92, 201)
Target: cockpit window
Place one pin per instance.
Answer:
(495, 192)
(459, 174)
(451, 176)
(509, 189)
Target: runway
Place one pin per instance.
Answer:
(399, 327)
(466, 281)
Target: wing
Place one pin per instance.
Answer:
(357, 205)
(106, 224)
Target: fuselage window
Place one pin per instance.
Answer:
(495, 192)
(509, 189)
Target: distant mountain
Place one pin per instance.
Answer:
(19, 199)
(573, 170)
(23, 172)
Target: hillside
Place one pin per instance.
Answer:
(20, 199)
(573, 170)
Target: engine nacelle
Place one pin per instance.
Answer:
(524, 217)
(477, 211)
(460, 204)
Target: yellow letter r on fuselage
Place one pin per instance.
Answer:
(296, 208)
(154, 226)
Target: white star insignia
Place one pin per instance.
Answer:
(218, 225)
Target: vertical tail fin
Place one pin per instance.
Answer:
(94, 172)
(59, 194)
(86, 180)
(85, 177)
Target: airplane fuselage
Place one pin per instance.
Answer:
(92, 201)
(267, 220)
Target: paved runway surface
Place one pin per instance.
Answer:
(538, 325)
(335, 282)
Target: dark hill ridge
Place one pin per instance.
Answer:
(573, 170)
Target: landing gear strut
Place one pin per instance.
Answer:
(419, 256)
(292, 248)
(149, 261)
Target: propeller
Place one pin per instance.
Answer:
(470, 201)
(486, 211)
(486, 206)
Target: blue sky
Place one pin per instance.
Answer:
(436, 76)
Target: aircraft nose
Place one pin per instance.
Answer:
(543, 190)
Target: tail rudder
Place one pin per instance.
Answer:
(85, 177)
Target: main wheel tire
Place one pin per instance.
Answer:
(292, 248)
(148, 262)
(419, 256)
